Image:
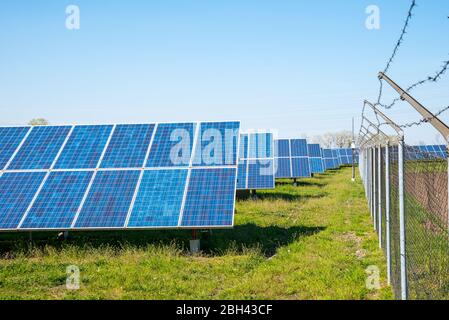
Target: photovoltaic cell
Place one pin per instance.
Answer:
(300, 167)
(17, 190)
(260, 145)
(316, 165)
(260, 174)
(159, 199)
(282, 148)
(10, 139)
(58, 201)
(243, 152)
(109, 199)
(40, 148)
(84, 147)
(242, 174)
(217, 144)
(314, 150)
(210, 198)
(256, 169)
(128, 146)
(172, 145)
(299, 148)
(282, 168)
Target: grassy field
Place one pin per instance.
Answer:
(313, 241)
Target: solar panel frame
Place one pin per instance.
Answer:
(235, 124)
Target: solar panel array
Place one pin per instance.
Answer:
(161, 175)
(330, 159)
(291, 158)
(345, 155)
(315, 158)
(256, 162)
(437, 151)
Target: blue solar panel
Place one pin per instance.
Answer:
(58, 201)
(243, 151)
(109, 199)
(159, 199)
(17, 190)
(128, 146)
(10, 139)
(316, 165)
(114, 197)
(261, 174)
(282, 167)
(282, 148)
(210, 198)
(258, 172)
(300, 167)
(261, 145)
(242, 174)
(314, 150)
(217, 144)
(40, 148)
(336, 158)
(299, 148)
(172, 145)
(84, 147)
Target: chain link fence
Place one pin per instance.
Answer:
(408, 199)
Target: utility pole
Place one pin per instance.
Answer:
(353, 151)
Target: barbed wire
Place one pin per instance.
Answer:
(435, 78)
(397, 46)
(424, 120)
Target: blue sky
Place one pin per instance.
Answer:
(299, 67)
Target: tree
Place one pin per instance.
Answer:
(38, 122)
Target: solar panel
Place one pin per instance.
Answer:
(40, 148)
(291, 159)
(328, 159)
(119, 176)
(58, 201)
(17, 190)
(10, 139)
(283, 168)
(84, 147)
(210, 198)
(301, 167)
(315, 158)
(128, 146)
(256, 161)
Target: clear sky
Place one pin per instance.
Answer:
(296, 66)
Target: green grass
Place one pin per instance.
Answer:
(313, 241)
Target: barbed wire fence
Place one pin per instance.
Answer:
(407, 189)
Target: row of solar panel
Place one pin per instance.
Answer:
(117, 199)
(256, 162)
(88, 180)
(426, 152)
(81, 147)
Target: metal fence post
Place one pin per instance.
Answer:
(387, 210)
(375, 187)
(402, 245)
(379, 192)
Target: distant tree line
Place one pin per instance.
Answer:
(340, 139)
(38, 122)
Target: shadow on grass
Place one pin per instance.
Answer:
(213, 242)
(279, 195)
(302, 183)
